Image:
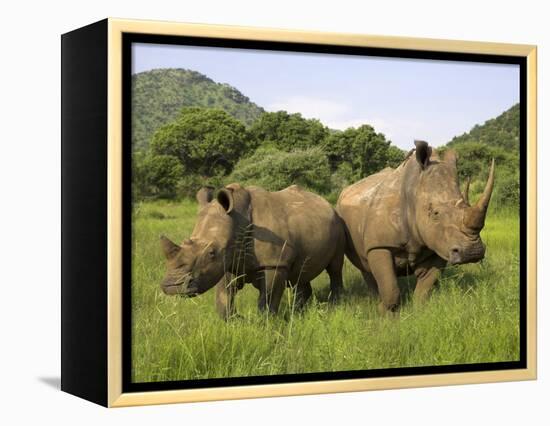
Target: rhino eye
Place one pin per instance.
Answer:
(433, 213)
(212, 253)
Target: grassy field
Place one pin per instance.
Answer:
(473, 316)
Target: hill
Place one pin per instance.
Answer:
(501, 131)
(158, 96)
(498, 139)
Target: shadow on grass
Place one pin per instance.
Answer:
(464, 279)
(354, 287)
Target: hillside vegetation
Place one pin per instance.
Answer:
(205, 146)
(190, 131)
(159, 95)
(502, 131)
(497, 138)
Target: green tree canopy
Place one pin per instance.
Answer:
(273, 169)
(364, 150)
(474, 159)
(287, 132)
(207, 142)
(156, 175)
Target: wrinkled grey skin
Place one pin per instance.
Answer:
(412, 219)
(249, 235)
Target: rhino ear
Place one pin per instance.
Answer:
(205, 195)
(169, 248)
(225, 198)
(423, 153)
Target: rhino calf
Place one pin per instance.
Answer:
(249, 235)
(412, 219)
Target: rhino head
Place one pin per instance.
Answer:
(444, 219)
(200, 261)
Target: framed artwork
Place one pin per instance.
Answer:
(254, 212)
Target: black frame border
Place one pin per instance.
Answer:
(84, 238)
(129, 38)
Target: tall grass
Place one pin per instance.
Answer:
(473, 316)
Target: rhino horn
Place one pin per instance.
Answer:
(475, 215)
(466, 195)
(169, 248)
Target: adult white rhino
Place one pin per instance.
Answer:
(412, 219)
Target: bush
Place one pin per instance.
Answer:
(287, 132)
(365, 151)
(506, 190)
(155, 175)
(188, 185)
(274, 170)
(474, 159)
(207, 142)
(341, 178)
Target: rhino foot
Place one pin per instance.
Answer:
(390, 312)
(335, 297)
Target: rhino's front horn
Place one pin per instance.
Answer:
(169, 248)
(474, 217)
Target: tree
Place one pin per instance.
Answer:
(155, 175)
(474, 159)
(365, 151)
(395, 156)
(273, 169)
(287, 132)
(207, 142)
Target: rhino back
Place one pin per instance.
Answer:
(295, 228)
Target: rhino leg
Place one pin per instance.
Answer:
(372, 287)
(427, 273)
(225, 297)
(334, 270)
(381, 264)
(272, 285)
(303, 293)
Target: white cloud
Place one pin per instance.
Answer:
(334, 114)
(322, 109)
(379, 124)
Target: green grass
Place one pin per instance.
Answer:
(472, 317)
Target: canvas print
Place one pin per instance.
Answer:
(297, 213)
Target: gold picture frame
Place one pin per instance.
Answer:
(115, 396)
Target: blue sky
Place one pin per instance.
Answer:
(404, 99)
